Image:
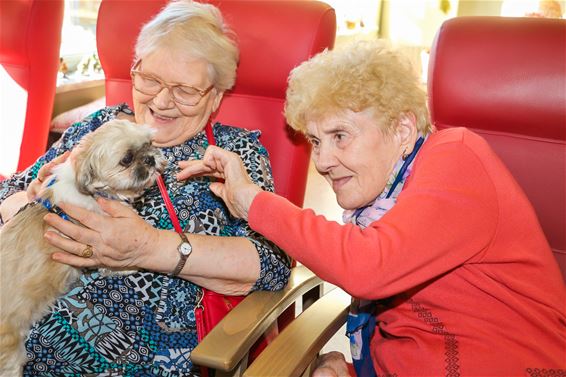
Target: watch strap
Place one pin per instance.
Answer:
(182, 257)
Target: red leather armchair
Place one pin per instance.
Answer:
(273, 36)
(30, 38)
(505, 78)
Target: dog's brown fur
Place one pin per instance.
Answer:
(30, 280)
(27, 302)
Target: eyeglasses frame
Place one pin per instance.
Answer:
(169, 86)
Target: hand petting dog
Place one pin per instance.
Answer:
(111, 245)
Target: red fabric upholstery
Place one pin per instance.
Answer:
(273, 36)
(29, 51)
(505, 78)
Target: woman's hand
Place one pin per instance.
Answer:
(119, 239)
(12, 204)
(237, 191)
(332, 364)
(36, 185)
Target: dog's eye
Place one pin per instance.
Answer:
(127, 159)
(149, 161)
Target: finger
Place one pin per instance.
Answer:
(33, 190)
(45, 170)
(197, 171)
(73, 231)
(212, 164)
(65, 244)
(191, 168)
(73, 260)
(184, 164)
(62, 158)
(70, 251)
(84, 216)
(195, 165)
(218, 189)
(115, 208)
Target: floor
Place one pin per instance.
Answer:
(320, 198)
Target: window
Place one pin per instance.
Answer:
(78, 40)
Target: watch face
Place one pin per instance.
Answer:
(185, 248)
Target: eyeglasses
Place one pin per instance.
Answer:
(150, 85)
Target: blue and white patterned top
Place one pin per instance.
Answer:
(143, 324)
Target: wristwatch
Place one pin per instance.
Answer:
(185, 249)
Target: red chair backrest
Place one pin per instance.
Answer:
(505, 78)
(273, 36)
(30, 38)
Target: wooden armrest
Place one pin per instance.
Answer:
(300, 342)
(227, 345)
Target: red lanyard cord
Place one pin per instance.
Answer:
(163, 189)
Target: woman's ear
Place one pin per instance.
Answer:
(407, 131)
(217, 101)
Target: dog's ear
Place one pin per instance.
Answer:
(85, 172)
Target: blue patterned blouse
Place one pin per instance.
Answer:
(143, 324)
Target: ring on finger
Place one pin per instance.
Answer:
(87, 252)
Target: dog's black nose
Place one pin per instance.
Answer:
(149, 161)
(141, 173)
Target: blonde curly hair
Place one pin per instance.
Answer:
(359, 76)
(200, 31)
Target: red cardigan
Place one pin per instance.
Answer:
(469, 283)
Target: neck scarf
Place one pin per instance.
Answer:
(386, 200)
(361, 322)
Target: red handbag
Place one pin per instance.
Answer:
(211, 309)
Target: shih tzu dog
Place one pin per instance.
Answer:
(117, 161)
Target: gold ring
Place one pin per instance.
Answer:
(39, 179)
(87, 252)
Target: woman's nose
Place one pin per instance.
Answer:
(163, 99)
(325, 158)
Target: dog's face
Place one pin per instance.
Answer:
(117, 159)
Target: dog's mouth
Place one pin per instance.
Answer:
(150, 173)
(161, 164)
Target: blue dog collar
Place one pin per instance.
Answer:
(53, 208)
(50, 206)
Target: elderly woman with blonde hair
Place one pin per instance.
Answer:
(143, 323)
(438, 236)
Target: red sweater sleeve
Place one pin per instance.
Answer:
(446, 215)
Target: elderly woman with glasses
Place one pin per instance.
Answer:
(144, 323)
(439, 240)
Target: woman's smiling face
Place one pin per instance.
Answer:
(353, 155)
(174, 123)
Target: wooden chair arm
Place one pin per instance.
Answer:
(226, 347)
(291, 353)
